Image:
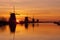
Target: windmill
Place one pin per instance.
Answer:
(12, 21)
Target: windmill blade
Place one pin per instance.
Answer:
(17, 14)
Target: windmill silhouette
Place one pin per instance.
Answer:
(12, 22)
(12, 19)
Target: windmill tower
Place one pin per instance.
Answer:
(12, 20)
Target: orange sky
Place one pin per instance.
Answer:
(31, 8)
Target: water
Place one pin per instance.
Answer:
(42, 31)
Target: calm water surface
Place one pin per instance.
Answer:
(42, 31)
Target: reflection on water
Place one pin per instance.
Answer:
(2, 28)
(42, 31)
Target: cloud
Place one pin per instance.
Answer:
(31, 3)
